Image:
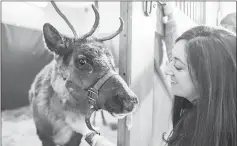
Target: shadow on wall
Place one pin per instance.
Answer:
(23, 56)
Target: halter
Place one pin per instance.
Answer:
(92, 95)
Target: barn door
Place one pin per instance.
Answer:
(136, 66)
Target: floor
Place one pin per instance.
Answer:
(18, 128)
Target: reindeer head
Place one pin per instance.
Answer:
(80, 63)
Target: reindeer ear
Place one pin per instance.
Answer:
(53, 39)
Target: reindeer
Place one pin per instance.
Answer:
(78, 81)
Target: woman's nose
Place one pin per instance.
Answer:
(168, 69)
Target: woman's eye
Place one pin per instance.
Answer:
(178, 68)
(81, 61)
(174, 64)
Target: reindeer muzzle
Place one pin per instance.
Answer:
(92, 95)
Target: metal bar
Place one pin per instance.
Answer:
(199, 12)
(180, 5)
(195, 11)
(204, 10)
(192, 10)
(183, 4)
(186, 8)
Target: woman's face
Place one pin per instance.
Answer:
(177, 69)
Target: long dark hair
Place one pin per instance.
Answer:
(211, 120)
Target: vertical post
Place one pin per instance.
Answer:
(1, 59)
(192, 10)
(195, 12)
(198, 12)
(123, 138)
(201, 13)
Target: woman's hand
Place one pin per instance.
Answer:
(168, 9)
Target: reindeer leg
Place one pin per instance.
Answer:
(46, 141)
(75, 140)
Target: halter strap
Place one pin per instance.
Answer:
(87, 120)
(92, 95)
(102, 80)
(93, 92)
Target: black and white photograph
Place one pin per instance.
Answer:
(118, 73)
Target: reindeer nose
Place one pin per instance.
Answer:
(129, 102)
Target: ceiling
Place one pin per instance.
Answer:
(32, 14)
(65, 4)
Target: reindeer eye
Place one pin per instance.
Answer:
(81, 61)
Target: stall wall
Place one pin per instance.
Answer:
(23, 56)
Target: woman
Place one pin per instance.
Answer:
(203, 77)
(203, 74)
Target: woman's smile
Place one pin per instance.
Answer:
(173, 82)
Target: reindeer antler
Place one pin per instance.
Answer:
(114, 34)
(64, 18)
(96, 23)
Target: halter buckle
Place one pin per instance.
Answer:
(92, 96)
